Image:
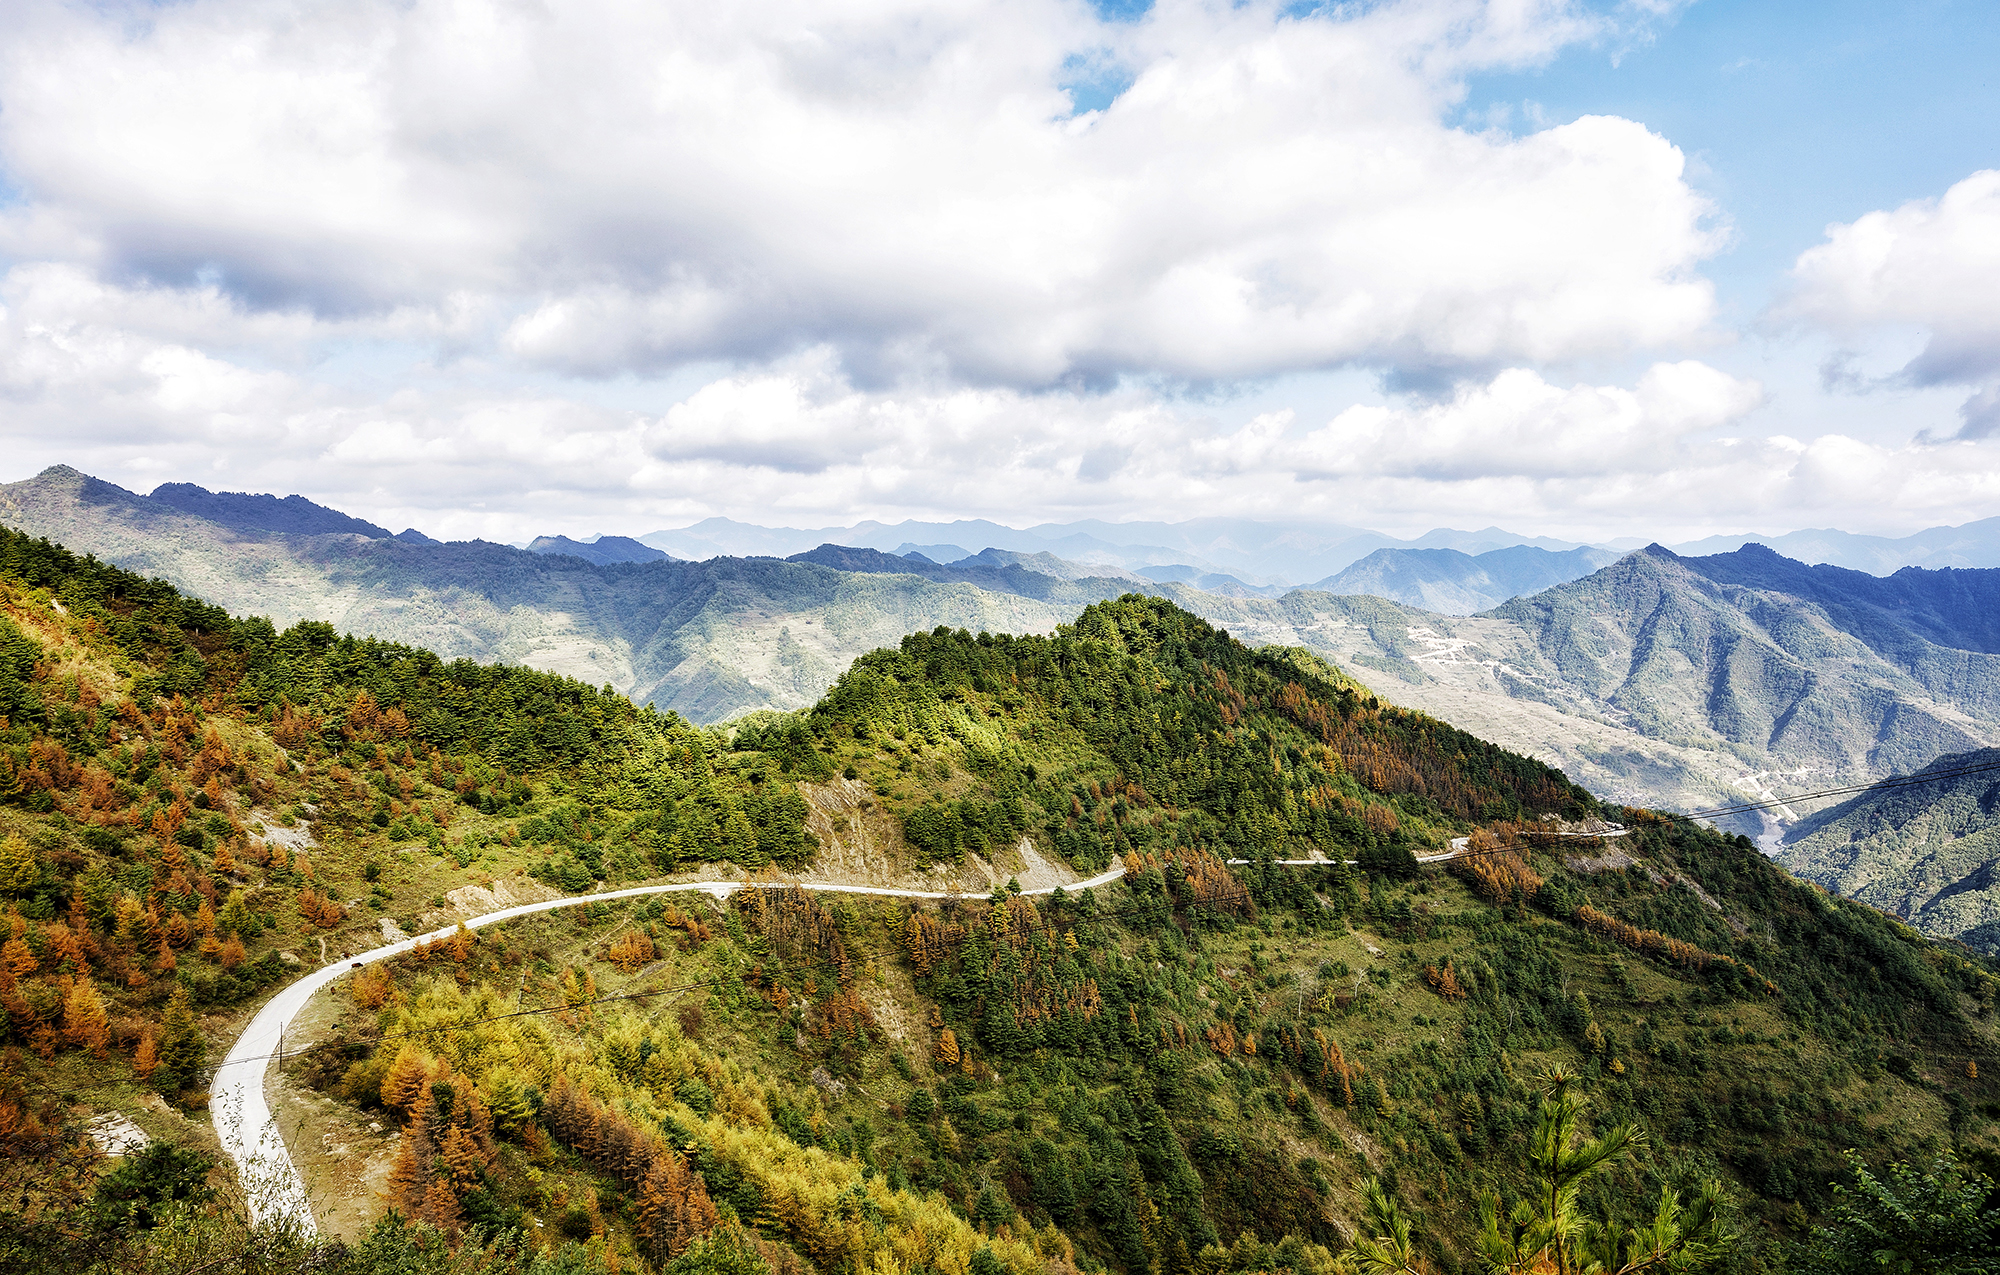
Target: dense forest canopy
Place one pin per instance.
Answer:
(1142, 727)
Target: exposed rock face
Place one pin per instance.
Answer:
(1686, 682)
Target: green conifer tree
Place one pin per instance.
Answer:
(183, 1050)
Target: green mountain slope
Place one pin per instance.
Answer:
(1202, 741)
(1927, 852)
(185, 796)
(1680, 682)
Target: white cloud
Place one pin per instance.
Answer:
(1520, 425)
(608, 186)
(464, 265)
(798, 442)
(1931, 264)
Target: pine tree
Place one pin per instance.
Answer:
(183, 1050)
(463, 1158)
(404, 1085)
(440, 1206)
(18, 957)
(407, 1181)
(673, 1206)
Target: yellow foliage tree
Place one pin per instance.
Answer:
(146, 1058)
(18, 870)
(84, 1019)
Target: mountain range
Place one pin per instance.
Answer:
(1281, 555)
(1452, 582)
(711, 640)
(1975, 544)
(1684, 682)
(1256, 554)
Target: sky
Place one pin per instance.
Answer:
(1581, 269)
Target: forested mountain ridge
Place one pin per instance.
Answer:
(184, 794)
(1203, 742)
(1928, 852)
(1192, 1071)
(1683, 683)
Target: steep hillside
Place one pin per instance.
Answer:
(710, 640)
(1181, 1073)
(1686, 683)
(1928, 852)
(1198, 1069)
(1454, 583)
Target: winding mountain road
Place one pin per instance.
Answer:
(248, 1127)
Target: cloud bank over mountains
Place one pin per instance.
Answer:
(487, 268)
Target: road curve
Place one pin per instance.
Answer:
(248, 1127)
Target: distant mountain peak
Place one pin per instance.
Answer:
(251, 511)
(603, 551)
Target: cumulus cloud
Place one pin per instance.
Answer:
(497, 269)
(1931, 264)
(604, 187)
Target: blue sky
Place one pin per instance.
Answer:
(1588, 270)
(1797, 115)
